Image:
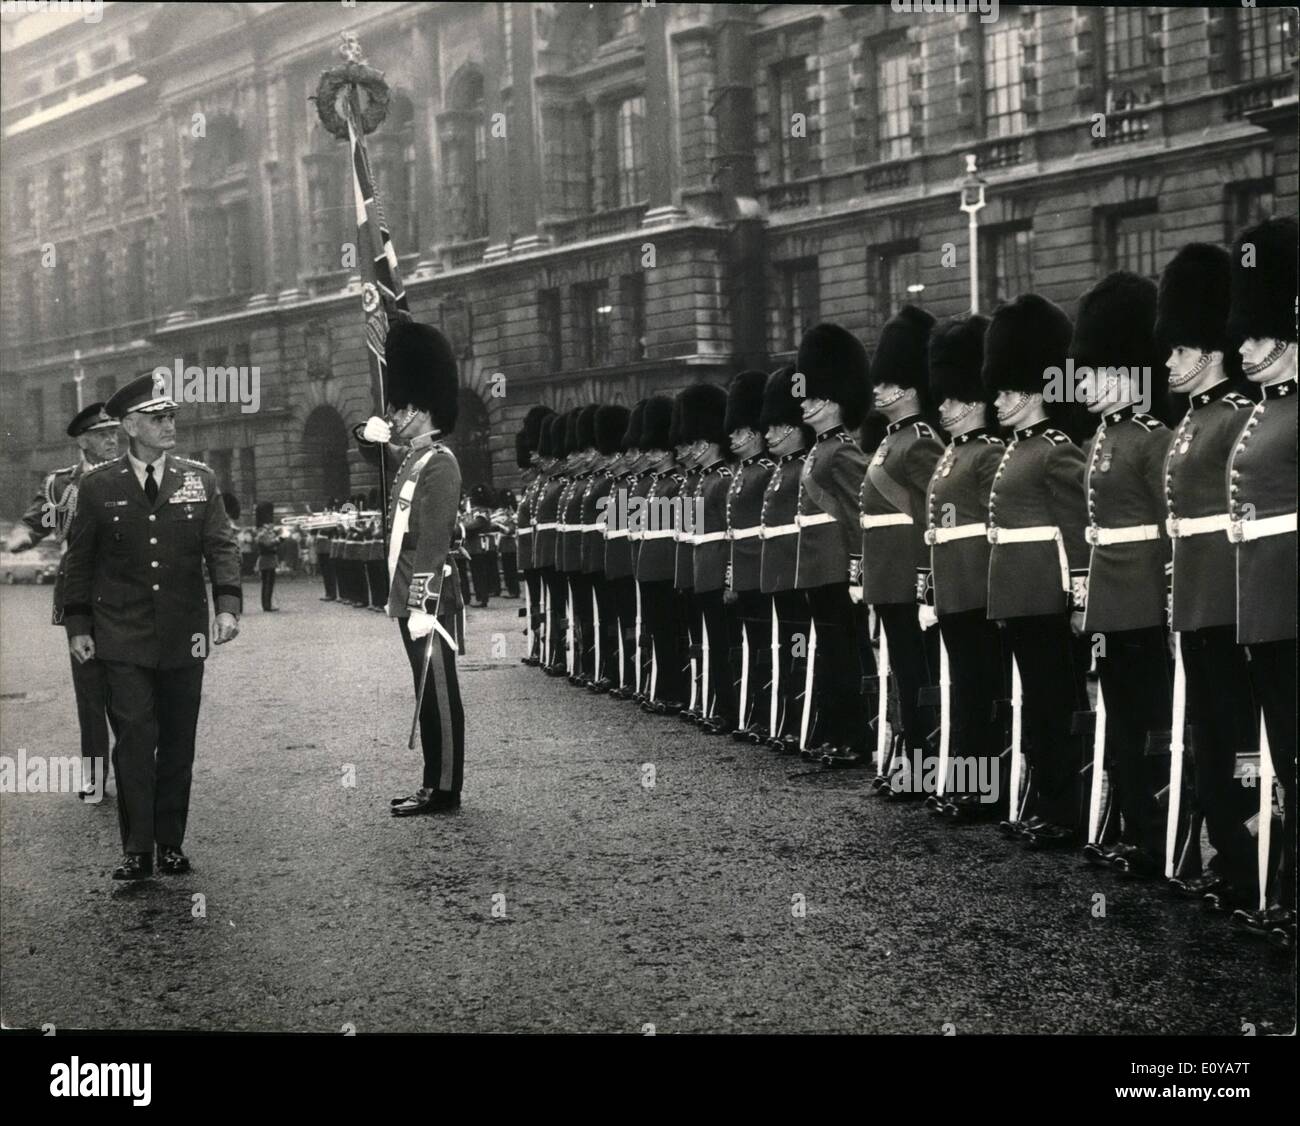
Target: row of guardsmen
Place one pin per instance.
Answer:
(931, 609)
(350, 556)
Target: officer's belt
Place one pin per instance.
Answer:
(616, 533)
(778, 530)
(1042, 533)
(958, 532)
(704, 537)
(812, 519)
(1243, 531)
(1105, 537)
(524, 532)
(1180, 527)
(586, 527)
(546, 527)
(884, 520)
(658, 534)
(745, 533)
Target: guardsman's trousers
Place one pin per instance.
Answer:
(1272, 674)
(442, 715)
(976, 682)
(840, 713)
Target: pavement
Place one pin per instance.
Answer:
(608, 872)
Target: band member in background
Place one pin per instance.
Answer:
(611, 425)
(837, 392)
(1192, 318)
(324, 545)
(268, 540)
(750, 610)
(50, 514)
(146, 528)
(957, 587)
(1037, 514)
(788, 438)
(480, 544)
(894, 552)
(503, 523)
(552, 453)
(1262, 509)
(1125, 593)
(422, 520)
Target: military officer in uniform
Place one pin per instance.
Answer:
(750, 608)
(788, 438)
(50, 514)
(894, 553)
(610, 426)
(422, 521)
(957, 585)
(1125, 592)
(146, 526)
(1192, 316)
(1037, 515)
(1262, 515)
(837, 389)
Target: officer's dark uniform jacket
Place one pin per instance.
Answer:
(957, 514)
(1204, 572)
(50, 514)
(1126, 506)
(600, 484)
(657, 555)
(745, 522)
(568, 549)
(780, 535)
(618, 545)
(827, 511)
(548, 507)
(892, 503)
(709, 561)
(133, 574)
(423, 562)
(1262, 475)
(524, 531)
(1037, 497)
(684, 537)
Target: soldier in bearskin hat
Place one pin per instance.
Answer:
(1114, 350)
(529, 459)
(553, 451)
(788, 438)
(610, 425)
(424, 596)
(1191, 321)
(686, 607)
(837, 390)
(480, 542)
(267, 536)
(750, 609)
(894, 553)
(1037, 515)
(620, 545)
(580, 439)
(956, 584)
(1262, 511)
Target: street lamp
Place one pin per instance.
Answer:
(972, 199)
(78, 375)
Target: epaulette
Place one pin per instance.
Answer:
(766, 462)
(1238, 401)
(991, 440)
(97, 466)
(193, 461)
(1148, 422)
(73, 469)
(725, 470)
(1057, 437)
(924, 430)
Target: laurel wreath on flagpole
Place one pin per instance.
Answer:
(339, 82)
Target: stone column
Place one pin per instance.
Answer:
(500, 150)
(661, 173)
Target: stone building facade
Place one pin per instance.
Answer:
(594, 201)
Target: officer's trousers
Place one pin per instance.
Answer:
(794, 626)
(837, 674)
(533, 579)
(721, 688)
(1052, 690)
(909, 665)
(975, 683)
(752, 647)
(442, 715)
(156, 712)
(326, 565)
(605, 629)
(584, 647)
(688, 624)
(557, 601)
(268, 586)
(1221, 715)
(1272, 674)
(660, 616)
(90, 688)
(1134, 673)
(622, 597)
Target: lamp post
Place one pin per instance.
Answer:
(972, 199)
(78, 375)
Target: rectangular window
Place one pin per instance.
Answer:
(1003, 89)
(631, 151)
(56, 192)
(59, 309)
(94, 298)
(632, 295)
(104, 57)
(32, 86)
(1133, 241)
(35, 414)
(616, 20)
(1131, 71)
(1266, 42)
(94, 182)
(893, 109)
(790, 153)
(65, 72)
(29, 299)
(68, 400)
(321, 207)
(247, 472)
(105, 385)
(548, 313)
(132, 170)
(898, 274)
(1249, 203)
(594, 313)
(23, 203)
(134, 294)
(237, 248)
(1006, 264)
(800, 301)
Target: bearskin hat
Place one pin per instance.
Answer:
(632, 435)
(1115, 323)
(547, 445)
(956, 357)
(780, 403)
(422, 372)
(481, 496)
(745, 401)
(533, 424)
(1263, 292)
(1025, 338)
(901, 356)
(704, 412)
(611, 423)
(834, 365)
(1192, 301)
(231, 503)
(523, 452)
(264, 513)
(587, 427)
(656, 423)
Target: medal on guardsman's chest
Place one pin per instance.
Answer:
(1104, 467)
(1186, 440)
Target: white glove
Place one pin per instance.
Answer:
(377, 430)
(420, 624)
(928, 616)
(855, 593)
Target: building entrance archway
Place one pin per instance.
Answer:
(326, 475)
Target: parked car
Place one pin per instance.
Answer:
(37, 565)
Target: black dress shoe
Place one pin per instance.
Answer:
(134, 866)
(718, 725)
(1135, 863)
(1196, 887)
(171, 861)
(1050, 836)
(668, 707)
(1225, 900)
(327, 600)
(426, 800)
(604, 684)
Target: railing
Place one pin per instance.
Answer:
(599, 225)
(1001, 152)
(466, 253)
(886, 177)
(1124, 127)
(1258, 95)
(782, 197)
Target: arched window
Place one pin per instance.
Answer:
(470, 441)
(462, 132)
(325, 473)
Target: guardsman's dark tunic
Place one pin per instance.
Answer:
(708, 580)
(655, 569)
(777, 571)
(545, 541)
(744, 579)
